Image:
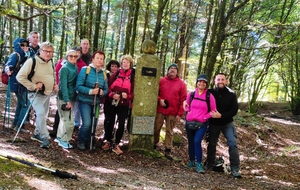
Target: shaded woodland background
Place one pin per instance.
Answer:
(255, 42)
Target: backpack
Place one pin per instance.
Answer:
(207, 99)
(4, 76)
(87, 71)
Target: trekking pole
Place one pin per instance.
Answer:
(58, 173)
(94, 119)
(25, 116)
(7, 108)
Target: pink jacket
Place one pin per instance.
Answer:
(197, 109)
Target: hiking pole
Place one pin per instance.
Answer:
(7, 108)
(58, 173)
(94, 119)
(25, 116)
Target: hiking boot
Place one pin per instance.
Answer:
(191, 164)
(22, 130)
(106, 146)
(117, 150)
(81, 146)
(64, 144)
(37, 138)
(168, 154)
(45, 143)
(235, 173)
(199, 168)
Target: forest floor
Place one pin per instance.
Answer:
(269, 145)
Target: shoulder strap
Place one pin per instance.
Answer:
(104, 75)
(87, 71)
(208, 100)
(32, 68)
(192, 97)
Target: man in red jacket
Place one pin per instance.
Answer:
(172, 93)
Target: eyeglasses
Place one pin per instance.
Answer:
(24, 45)
(46, 51)
(73, 56)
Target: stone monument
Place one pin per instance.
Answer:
(146, 82)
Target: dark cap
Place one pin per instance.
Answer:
(202, 77)
(173, 65)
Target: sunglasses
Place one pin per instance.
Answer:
(73, 56)
(24, 45)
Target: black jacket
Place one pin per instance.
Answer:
(227, 105)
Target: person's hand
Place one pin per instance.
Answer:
(39, 86)
(162, 103)
(95, 91)
(8, 73)
(55, 88)
(69, 105)
(100, 92)
(215, 114)
(185, 105)
(116, 96)
(177, 118)
(124, 95)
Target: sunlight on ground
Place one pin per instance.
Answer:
(282, 121)
(41, 184)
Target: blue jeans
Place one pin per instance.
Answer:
(85, 130)
(77, 116)
(21, 109)
(230, 134)
(194, 142)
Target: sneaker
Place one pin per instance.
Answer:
(45, 144)
(106, 146)
(191, 164)
(235, 173)
(57, 140)
(199, 168)
(168, 155)
(117, 150)
(65, 144)
(81, 146)
(37, 138)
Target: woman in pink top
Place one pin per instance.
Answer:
(199, 105)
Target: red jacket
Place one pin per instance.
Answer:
(175, 92)
(120, 82)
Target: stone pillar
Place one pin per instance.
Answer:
(146, 82)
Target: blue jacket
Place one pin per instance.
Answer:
(86, 82)
(11, 63)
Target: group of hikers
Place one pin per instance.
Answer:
(82, 81)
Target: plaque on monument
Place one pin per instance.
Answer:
(143, 125)
(146, 71)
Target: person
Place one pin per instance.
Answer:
(34, 39)
(120, 98)
(86, 55)
(12, 66)
(59, 64)
(172, 93)
(222, 121)
(42, 81)
(66, 99)
(88, 93)
(198, 110)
